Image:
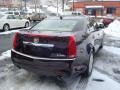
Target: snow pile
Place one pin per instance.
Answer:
(5, 55)
(113, 29)
(99, 81)
(53, 9)
(113, 50)
(23, 80)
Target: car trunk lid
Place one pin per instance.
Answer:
(46, 45)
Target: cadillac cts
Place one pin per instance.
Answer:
(58, 46)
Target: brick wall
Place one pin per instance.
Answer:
(106, 4)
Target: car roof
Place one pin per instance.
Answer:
(72, 17)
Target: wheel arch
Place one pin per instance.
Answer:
(26, 23)
(90, 48)
(5, 24)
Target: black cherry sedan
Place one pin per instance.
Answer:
(58, 46)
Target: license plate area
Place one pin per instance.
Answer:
(39, 50)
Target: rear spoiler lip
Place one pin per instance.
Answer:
(40, 58)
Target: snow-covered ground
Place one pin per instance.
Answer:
(100, 81)
(5, 55)
(8, 32)
(12, 31)
(108, 59)
(113, 29)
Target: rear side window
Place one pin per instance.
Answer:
(16, 13)
(11, 17)
(1, 16)
(56, 25)
(10, 13)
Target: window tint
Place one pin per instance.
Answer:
(91, 24)
(18, 17)
(56, 25)
(16, 13)
(10, 17)
(1, 16)
(9, 12)
(111, 10)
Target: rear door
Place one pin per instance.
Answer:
(12, 21)
(20, 21)
(95, 35)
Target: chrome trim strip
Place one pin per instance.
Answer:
(37, 44)
(40, 58)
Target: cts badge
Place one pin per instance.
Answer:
(36, 40)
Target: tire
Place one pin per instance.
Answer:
(26, 24)
(89, 69)
(29, 19)
(101, 46)
(6, 27)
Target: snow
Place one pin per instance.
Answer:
(113, 50)
(107, 60)
(54, 9)
(12, 31)
(103, 83)
(94, 6)
(113, 29)
(5, 55)
(8, 32)
(23, 80)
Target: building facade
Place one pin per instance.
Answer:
(17, 3)
(5, 3)
(97, 8)
(10, 3)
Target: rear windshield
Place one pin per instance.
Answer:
(56, 25)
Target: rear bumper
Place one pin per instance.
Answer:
(44, 66)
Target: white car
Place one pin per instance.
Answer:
(8, 21)
(13, 12)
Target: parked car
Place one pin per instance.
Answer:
(3, 10)
(58, 46)
(28, 16)
(38, 17)
(8, 21)
(13, 12)
(107, 21)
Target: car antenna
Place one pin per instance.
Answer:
(61, 17)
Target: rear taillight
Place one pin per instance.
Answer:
(15, 41)
(72, 47)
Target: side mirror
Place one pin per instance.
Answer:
(85, 35)
(99, 26)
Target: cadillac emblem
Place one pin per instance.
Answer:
(36, 40)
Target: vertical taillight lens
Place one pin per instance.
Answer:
(15, 43)
(72, 47)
